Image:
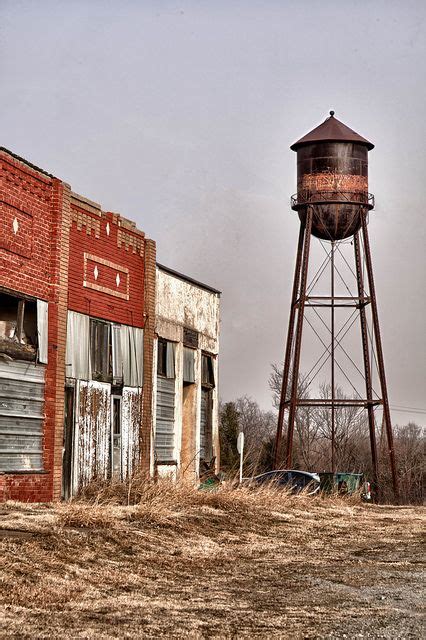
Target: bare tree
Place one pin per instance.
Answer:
(350, 426)
(306, 426)
(409, 442)
(258, 427)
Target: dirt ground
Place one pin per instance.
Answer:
(310, 569)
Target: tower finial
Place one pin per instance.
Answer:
(332, 113)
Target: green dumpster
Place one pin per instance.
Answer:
(341, 482)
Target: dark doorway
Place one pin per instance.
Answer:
(206, 448)
(116, 466)
(68, 444)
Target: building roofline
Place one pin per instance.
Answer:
(185, 278)
(27, 162)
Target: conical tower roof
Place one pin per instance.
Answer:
(331, 130)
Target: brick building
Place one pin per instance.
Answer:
(77, 313)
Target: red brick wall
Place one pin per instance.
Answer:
(51, 243)
(106, 266)
(26, 487)
(33, 243)
(27, 196)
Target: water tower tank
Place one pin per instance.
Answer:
(332, 177)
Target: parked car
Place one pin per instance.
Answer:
(292, 479)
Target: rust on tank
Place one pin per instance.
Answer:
(329, 181)
(332, 176)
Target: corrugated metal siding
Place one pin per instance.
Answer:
(21, 416)
(93, 432)
(131, 418)
(165, 420)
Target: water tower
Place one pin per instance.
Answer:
(333, 204)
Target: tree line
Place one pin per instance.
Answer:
(312, 441)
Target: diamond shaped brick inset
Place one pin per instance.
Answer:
(95, 273)
(117, 279)
(16, 232)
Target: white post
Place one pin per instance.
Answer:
(240, 449)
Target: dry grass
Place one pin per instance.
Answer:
(164, 560)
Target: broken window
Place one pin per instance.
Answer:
(42, 326)
(207, 371)
(188, 365)
(117, 354)
(78, 354)
(206, 425)
(23, 328)
(207, 384)
(166, 358)
(23, 340)
(100, 350)
(132, 355)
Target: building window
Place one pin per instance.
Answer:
(23, 328)
(166, 358)
(100, 351)
(165, 412)
(188, 365)
(207, 371)
(206, 427)
(23, 343)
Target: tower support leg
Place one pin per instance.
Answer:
(298, 338)
(379, 351)
(289, 346)
(367, 367)
(333, 392)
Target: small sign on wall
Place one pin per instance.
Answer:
(190, 338)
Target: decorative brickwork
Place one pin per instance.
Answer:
(130, 241)
(82, 220)
(20, 179)
(106, 276)
(25, 250)
(106, 280)
(16, 230)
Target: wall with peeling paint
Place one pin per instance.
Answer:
(182, 303)
(93, 438)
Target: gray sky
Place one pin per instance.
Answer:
(179, 115)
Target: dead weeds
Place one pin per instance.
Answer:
(164, 560)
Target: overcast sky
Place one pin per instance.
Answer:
(179, 115)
